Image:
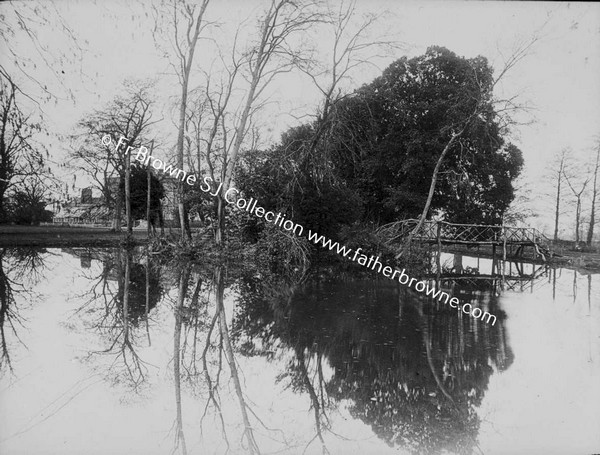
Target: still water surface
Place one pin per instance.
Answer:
(102, 354)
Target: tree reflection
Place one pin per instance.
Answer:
(230, 356)
(204, 349)
(265, 316)
(20, 269)
(413, 371)
(127, 291)
(179, 314)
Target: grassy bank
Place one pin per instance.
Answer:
(60, 236)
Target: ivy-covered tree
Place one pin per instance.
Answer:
(430, 116)
(484, 192)
(393, 132)
(139, 194)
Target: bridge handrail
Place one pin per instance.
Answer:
(520, 233)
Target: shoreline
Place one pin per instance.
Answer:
(60, 236)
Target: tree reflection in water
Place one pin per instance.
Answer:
(203, 339)
(122, 308)
(412, 371)
(21, 268)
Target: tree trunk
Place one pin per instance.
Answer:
(117, 215)
(239, 137)
(3, 188)
(128, 192)
(263, 55)
(436, 171)
(577, 216)
(578, 210)
(185, 232)
(148, 201)
(557, 213)
(149, 198)
(180, 205)
(161, 219)
(240, 133)
(220, 226)
(590, 233)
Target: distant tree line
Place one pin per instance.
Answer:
(575, 186)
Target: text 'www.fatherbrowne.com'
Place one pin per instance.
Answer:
(232, 197)
(402, 277)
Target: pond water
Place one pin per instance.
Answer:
(107, 352)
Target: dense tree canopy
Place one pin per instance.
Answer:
(376, 159)
(139, 192)
(400, 124)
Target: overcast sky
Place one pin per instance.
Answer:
(559, 77)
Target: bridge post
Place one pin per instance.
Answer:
(503, 255)
(439, 246)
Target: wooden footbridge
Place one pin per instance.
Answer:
(512, 240)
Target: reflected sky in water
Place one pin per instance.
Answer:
(103, 354)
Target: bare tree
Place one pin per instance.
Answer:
(520, 208)
(351, 49)
(271, 55)
(590, 233)
(20, 26)
(127, 116)
(220, 128)
(577, 186)
(19, 157)
(556, 174)
(186, 25)
(209, 131)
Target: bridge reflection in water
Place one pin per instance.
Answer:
(487, 273)
(253, 364)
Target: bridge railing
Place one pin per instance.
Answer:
(475, 233)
